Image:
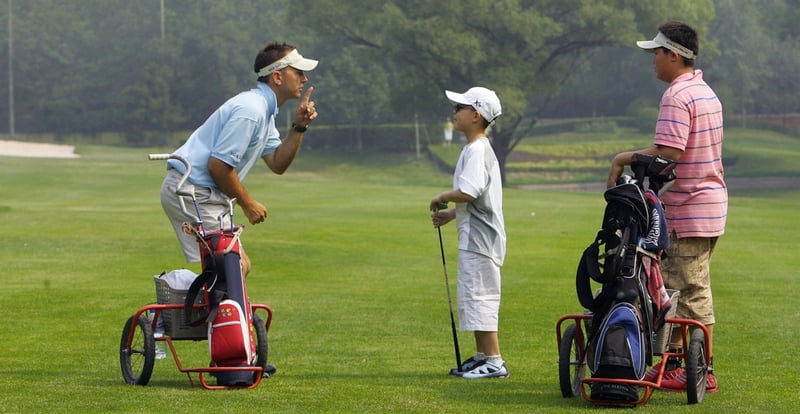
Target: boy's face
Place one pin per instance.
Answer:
(463, 116)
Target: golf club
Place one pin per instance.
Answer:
(449, 298)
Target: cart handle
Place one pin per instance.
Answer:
(198, 218)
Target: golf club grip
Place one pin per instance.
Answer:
(156, 157)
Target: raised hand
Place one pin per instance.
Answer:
(306, 111)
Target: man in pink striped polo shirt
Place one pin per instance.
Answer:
(689, 131)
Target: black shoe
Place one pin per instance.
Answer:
(268, 371)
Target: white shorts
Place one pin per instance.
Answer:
(212, 204)
(478, 292)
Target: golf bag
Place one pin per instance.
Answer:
(231, 335)
(631, 303)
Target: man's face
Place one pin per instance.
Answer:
(292, 81)
(663, 64)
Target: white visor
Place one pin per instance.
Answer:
(663, 41)
(293, 59)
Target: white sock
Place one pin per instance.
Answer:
(479, 356)
(495, 359)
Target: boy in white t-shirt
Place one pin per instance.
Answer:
(478, 195)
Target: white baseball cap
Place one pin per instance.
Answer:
(293, 59)
(663, 41)
(485, 101)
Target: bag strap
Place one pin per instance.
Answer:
(212, 278)
(589, 269)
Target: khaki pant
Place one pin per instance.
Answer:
(212, 204)
(686, 268)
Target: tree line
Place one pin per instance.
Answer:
(95, 66)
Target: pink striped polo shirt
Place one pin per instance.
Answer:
(690, 119)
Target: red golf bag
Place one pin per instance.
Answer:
(231, 336)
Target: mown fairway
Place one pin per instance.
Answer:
(350, 264)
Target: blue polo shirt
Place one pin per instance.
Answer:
(238, 133)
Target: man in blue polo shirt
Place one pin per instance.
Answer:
(229, 143)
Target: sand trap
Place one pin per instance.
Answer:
(36, 150)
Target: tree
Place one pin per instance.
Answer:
(60, 86)
(743, 65)
(361, 96)
(524, 50)
(100, 65)
(782, 80)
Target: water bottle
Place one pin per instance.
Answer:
(161, 349)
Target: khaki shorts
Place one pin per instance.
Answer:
(212, 203)
(478, 292)
(686, 268)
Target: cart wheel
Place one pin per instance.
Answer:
(137, 351)
(696, 368)
(262, 343)
(571, 365)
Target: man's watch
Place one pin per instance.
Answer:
(299, 128)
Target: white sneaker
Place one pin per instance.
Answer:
(466, 366)
(487, 370)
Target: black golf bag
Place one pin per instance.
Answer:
(631, 302)
(231, 335)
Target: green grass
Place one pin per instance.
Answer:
(349, 262)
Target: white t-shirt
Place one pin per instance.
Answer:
(481, 227)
